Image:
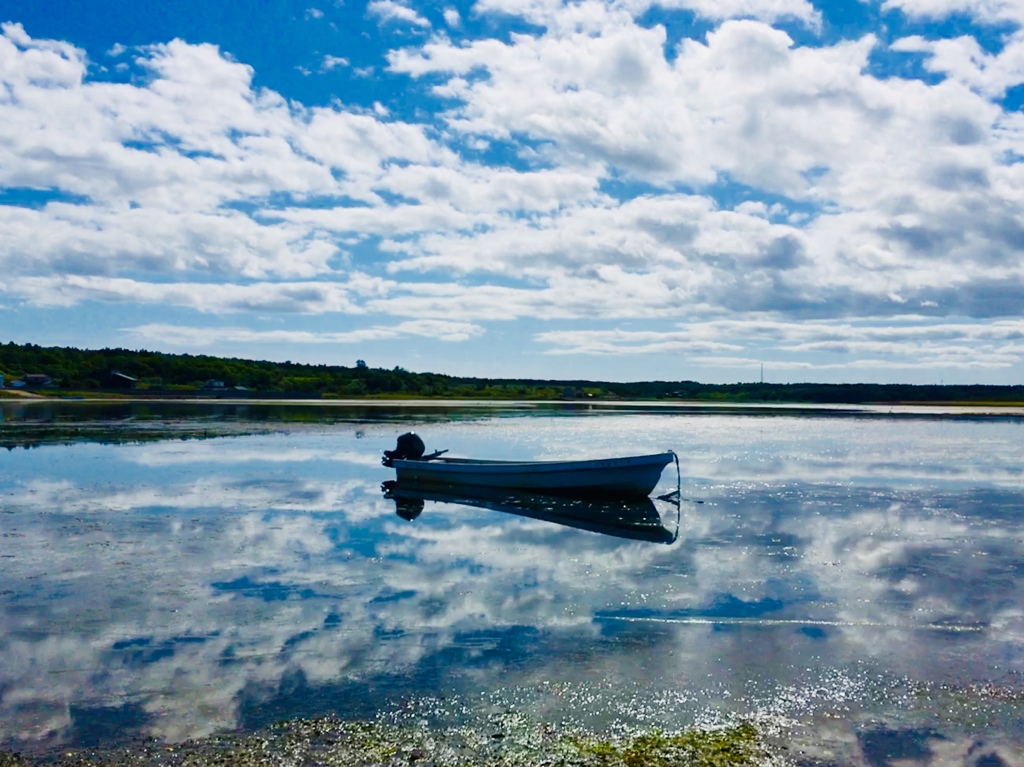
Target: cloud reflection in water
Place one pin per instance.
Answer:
(197, 586)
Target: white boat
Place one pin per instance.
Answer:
(629, 477)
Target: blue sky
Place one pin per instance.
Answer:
(638, 189)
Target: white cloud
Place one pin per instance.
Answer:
(44, 63)
(187, 337)
(553, 14)
(964, 60)
(988, 11)
(84, 240)
(769, 11)
(452, 18)
(333, 62)
(392, 11)
(209, 297)
(909, 344)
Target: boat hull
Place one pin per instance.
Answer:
(629, 477)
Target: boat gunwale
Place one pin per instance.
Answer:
(446, 465)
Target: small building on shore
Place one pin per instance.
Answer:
(37, 380)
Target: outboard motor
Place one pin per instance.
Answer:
(409, 447)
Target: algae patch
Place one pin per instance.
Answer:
(728, 747)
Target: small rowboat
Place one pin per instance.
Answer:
(630, 477)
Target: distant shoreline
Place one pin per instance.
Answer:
(851, 408)
(140, 374)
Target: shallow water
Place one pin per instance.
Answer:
(851, 582)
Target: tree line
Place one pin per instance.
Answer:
(92, 370)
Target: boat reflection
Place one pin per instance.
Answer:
(635, 519)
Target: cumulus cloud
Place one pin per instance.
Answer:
(748, 105)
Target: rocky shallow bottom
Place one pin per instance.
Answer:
(331, 742)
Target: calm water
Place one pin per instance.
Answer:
(854, 582)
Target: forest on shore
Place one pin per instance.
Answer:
(63, 370)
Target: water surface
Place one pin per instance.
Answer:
(854, 582)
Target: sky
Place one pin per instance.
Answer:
(604, 189)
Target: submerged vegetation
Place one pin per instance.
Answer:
(28, 434)
(331, 742)
(85, 372)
